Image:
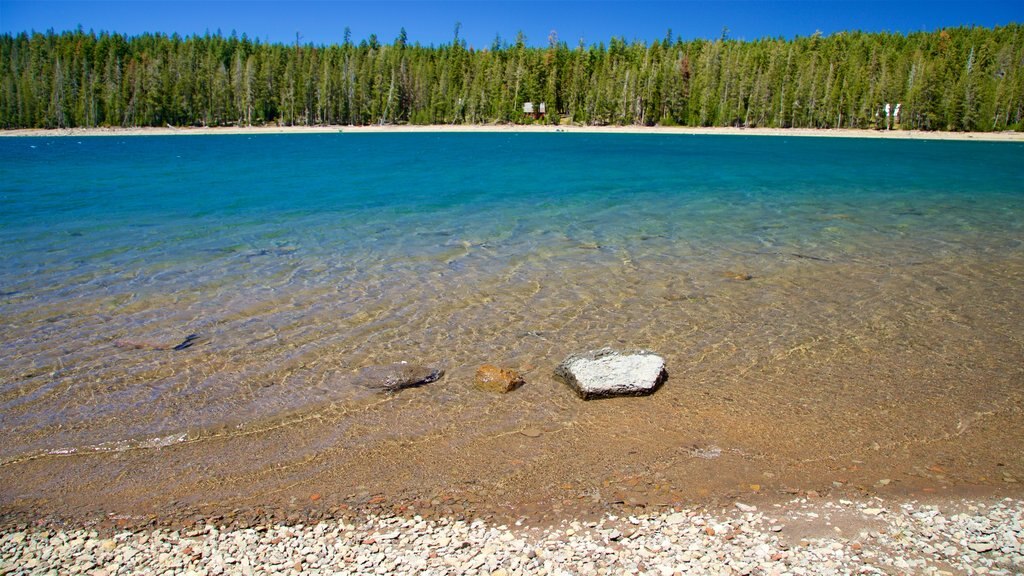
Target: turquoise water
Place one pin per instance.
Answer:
(93, 209)
(300, 258)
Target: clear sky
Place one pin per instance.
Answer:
(323, 21)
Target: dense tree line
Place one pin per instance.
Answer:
(952, 79)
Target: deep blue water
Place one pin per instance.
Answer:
(76, 184)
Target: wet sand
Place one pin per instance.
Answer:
(450, 128)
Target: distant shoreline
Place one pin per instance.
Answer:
(512, 128)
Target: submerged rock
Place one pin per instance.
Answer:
(397, 376)
(606, 373)
(741, 276)
(158, 345)
(187, 342)
(501, 380)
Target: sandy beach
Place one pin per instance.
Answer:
(514, 128)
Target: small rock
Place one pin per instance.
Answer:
(676, 518)
(746, 507)
(397, 376)
(741, 276)
(981, 546)
(500, 380)
(872, 511)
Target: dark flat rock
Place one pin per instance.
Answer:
(397, 376)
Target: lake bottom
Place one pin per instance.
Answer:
(863, 341)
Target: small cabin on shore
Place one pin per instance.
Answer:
(537, 112)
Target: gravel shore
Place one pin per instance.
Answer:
(801, 536)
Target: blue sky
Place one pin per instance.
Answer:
(426, 22)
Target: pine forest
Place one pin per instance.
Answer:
(962, 79)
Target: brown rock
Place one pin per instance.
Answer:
(501, 380)
(741, 276)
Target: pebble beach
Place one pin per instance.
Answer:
(799, 536)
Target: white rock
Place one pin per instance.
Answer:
(606, 373)
(676, 518)
(981, 546)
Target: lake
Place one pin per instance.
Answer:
(818, 302)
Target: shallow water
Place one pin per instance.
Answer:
(883, 306)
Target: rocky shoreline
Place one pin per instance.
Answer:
(799, 536)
